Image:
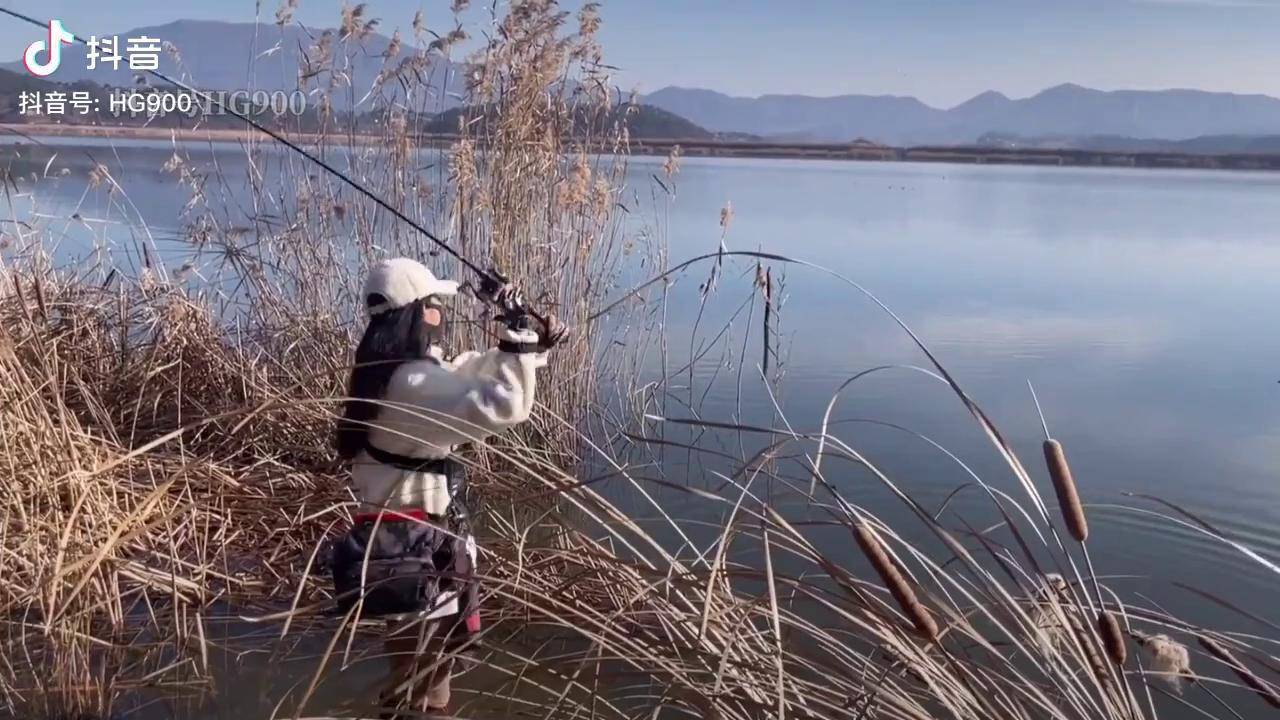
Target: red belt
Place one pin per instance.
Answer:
(405, 515)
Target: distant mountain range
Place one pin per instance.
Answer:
(1062, 111)
(642, 121)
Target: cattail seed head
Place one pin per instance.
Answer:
(1065, 487)
(926, 627)
(1112, 638)
(1167, 657)
(1265, 690)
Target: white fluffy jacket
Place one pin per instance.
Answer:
(430, 407)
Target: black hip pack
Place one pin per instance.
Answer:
(400, 564)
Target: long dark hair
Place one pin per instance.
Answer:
(393, 338)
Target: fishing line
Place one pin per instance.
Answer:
(215, 102)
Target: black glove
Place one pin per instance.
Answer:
(553, 332)
(491, 284)
(497, 289)
(516, 320)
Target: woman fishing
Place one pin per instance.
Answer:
(410, 555)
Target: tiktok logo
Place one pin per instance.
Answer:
(57, 36)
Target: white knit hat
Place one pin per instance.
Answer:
(401, 281)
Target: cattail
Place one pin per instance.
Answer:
(1065, 486)
(1264, 689)
(1056, 587)
(889, 574)
(1112, 638)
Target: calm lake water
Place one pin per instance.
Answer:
(1140, 303)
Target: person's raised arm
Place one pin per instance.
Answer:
(478, 394)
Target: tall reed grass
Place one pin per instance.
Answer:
(165, 432)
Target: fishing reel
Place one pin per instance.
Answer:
(497, 289)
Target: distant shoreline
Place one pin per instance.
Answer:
(974, 155)
(737, 149)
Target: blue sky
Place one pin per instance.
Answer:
(942, 51)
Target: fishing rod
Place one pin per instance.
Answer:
(490, 276)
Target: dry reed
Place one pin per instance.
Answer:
(1264, 689)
